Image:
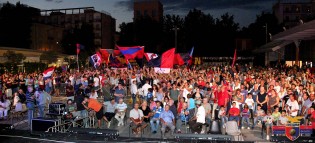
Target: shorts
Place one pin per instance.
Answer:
(109, 116)
(99, 114)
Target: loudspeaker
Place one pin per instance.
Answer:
(110, 133)
(56, 108)
(42, 124)
(4, 127)
(215, 127)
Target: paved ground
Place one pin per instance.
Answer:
(249, 135)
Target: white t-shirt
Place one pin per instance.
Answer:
(96, 82)
(94, 96)
(250, 102)
(121, 107)
(145, 88)
(201, 115)
(136, 114)
(294, 105)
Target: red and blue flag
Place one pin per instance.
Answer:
(132, 52)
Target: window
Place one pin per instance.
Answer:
(153, 13)
(138, 13)
(145, 13)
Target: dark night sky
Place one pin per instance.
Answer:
(244, 11)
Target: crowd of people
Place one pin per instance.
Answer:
(194, 97)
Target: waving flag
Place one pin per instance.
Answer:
(132, 52)
(79, 47)
(48, 72)
(96, 60)
(150, 56)
(184, 58)
(164, 63)
(234, 58)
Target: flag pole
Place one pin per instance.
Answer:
(78, 62)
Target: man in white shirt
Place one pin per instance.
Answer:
(196, 122)
(133, 91)
(136, 117)
(145, 88)
(292, 106)
(121, 109)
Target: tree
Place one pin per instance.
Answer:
(15, 24)
(14, 58)
(49, 57)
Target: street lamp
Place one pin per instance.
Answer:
(175, 30)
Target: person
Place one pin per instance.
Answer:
(136, 117)
(174, 92)
(78, 99)
(272, 100)
(258, 115)
(245, 116)
(94, 105)
(190, 102)
(261, 98)
(30, 104)
(250, 101)
(69, 91)
(222, 116)
(42, 99)
(276, 114)
(146, 111)
(16, 98)
(134, 92)
(156, 117)
(4, 106)
(93, 94)
(22, 96)
(145, 88)
(197, 121)
(121, 109)
(110, 107)
(307, 104)
(283, 120)
(182, 117)
(207, 107)
(71, 108)
(149, 95)
(268, 120)
(234, 113)
(168, 120)
(119, 92)
(292, 106)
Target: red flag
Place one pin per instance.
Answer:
(167, 60)
(234, 58)
(78, 48)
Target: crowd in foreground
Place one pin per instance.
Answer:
(193, 97)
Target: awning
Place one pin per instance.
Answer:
(304, 31)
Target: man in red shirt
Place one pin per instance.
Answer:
(223, 97)
(234, 113)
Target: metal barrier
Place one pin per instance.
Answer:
(63, 128)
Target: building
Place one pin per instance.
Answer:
(104, 25)
(294, 12)
(46, 37)
(148, 8)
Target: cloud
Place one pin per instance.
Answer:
(183, 5)
(56, 1)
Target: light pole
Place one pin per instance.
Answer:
(175, 30)
(266, 34)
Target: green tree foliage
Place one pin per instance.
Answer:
(15, 24)
(14, 58)
(49, 57)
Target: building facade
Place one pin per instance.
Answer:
(148, 8)
(104, 25)
(294, 12)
